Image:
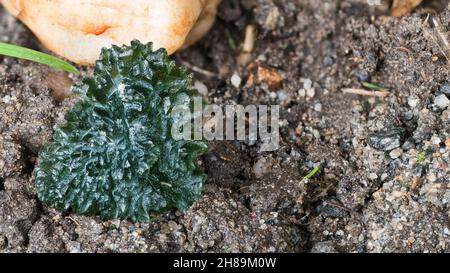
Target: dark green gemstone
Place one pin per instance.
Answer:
(115, 156)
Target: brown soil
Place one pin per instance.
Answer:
(385, 162)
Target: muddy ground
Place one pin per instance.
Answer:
(384, 179)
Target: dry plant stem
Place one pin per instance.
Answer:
(439, 38)
(250, 38)
(437, 25)
(402, 48)
(199, 70)
(363, 92)
(248, 45)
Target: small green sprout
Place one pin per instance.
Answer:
(420, 158)
(230, 39)
(312, 173)
(373, 86)
(35, 56)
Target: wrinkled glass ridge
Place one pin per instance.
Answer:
(114, 156)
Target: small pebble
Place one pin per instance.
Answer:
(302, 93)
(236, 80)
(396, 153)
(446, 231)
(413, 102)
(282, 95)
(373, 176)
(445, 89)
(311, 92)
(272, 19)
(386, 140)
(6, 99)
(435, 140)
(316, 133)
(307, 84)
(363, 75)
(318, 107)
(441, 101)
(73, 247)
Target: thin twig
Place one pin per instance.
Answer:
(363, 92)
(199, 70)
(73, 220)
(437, 25)
(440, 35)
(403, 48)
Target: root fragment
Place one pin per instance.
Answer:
(363, 92)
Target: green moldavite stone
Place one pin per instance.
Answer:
(115, 156)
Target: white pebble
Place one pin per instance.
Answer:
(373, 176)
(6, 99)
(413, 102)
(236, 80)
(311, 92)
(316, 133)
(435, 140)
(396, 153)
(307, 84)
(442, 101)
(318, 107)
(446, 231)
(302, 93)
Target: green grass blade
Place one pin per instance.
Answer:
(312, 173)
(373, 86)
(35, 56)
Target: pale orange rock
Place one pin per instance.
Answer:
(77, 30)
(270, 76)
(403, 7)
(260, 73)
